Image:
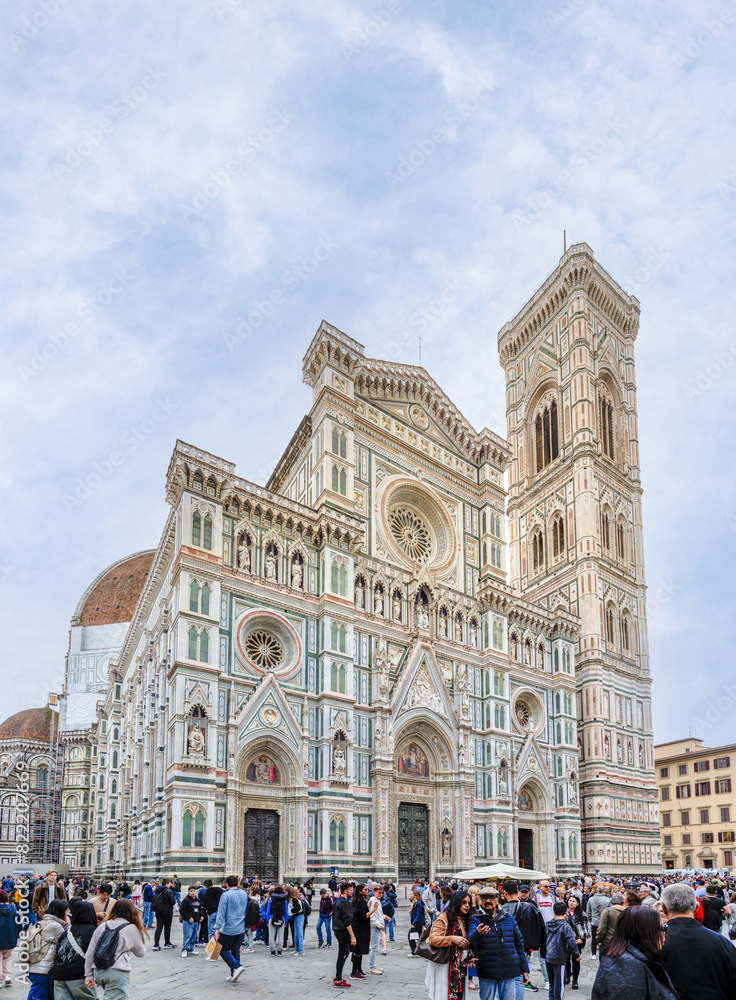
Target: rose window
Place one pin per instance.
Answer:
(264, 649)
(411, 533)
(523, 714)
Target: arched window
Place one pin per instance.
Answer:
(562, 836)
(192, 652)
(343, 581)
(499, 717)
(342, 679)
(558, 538)
(113, 810)
(42, 777)
(335, 441)
(204, 646)
(113, 787)
(620, 540)
(343, 637)
(559, 732)
(625, 641)
(335, 576)
(485, 552)
(605, 531)
(537, 551)
(335, 479)
(333, 835)
(196, 528)
(333, 636)
(207, 532)
(186, 829)
(199, 830)
(557, 703)
(605, 415)
(343, 446)
(333, 677)
(343, 482)
(198, 481)
(610, 625)
(115, 759)
(573, 845)
(205, 599)
(194, 596)
(546, 436)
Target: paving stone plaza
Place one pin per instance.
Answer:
(165, 975)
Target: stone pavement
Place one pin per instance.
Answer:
(165, 975)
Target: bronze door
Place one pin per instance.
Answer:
(261, 849)
(413, 841)
(526, 848)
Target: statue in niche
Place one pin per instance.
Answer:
(270, 566)
(378, 603)
(382, 668)
(397, 608)
(338, 762)
(296, 575)
(359, 599)
(527, 654)
(474, 635)
(195, 742)
(573, 791)
(446, 842)
(378, 738)
(461, 754)
(444, 626)
(458, 630)
(503, 781)
(422, 616)
(244, 554)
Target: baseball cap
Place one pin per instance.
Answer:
(524, 888)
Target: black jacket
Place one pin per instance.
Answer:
(500, 952)
(68, 965)
(167, 898)
(211, 898)
(632, 977)
(700, 963)
(341, 915)
(189, 909)
(531, 924)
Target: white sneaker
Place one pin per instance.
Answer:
(237, 973)
(184, 953)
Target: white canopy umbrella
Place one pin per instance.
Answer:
(500, 871)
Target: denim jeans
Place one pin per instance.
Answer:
(147, 914)
(299, 934)
(42, 986)
(190, 935)
(211, 918)
(543, 967)
(390, 929)
(324, 922)
(497, 989)
(375, 946)
(520, 988)
(114, 982)
(230, 949)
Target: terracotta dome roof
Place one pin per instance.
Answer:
(33, 724)
(114, 594)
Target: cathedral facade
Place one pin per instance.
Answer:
(418, 648)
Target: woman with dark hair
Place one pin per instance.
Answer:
(41, 952)
(447, 982)
(577, 920)
(416, 920)
(361, 925)
(71, 949)
(8, 933)
(125, 918)
(632, 966)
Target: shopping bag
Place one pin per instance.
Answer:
(213, 949)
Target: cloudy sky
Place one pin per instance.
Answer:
(168, 170)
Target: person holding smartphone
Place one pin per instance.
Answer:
(496, 940)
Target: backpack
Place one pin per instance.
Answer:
(107, 946)
(36, 945)
(252, 914)
(157, 897)
(306, 907)
(277, 910)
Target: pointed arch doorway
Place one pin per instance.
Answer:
(413, 841)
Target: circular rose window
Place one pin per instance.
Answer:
(528, 712)
(416, 524)
(268, 643)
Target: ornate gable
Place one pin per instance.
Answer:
(267, 711)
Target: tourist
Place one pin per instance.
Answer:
(343, 930)
(496, 940)
(447, 982)
(378, 920)
(324, 919)
(211, 901)
(137, 894)
(47, 891)
(389, 911)
(429, 898)
(252, 918)
(531, 924)
(276, 916)
(560, 946)
(41, 948)
(115, 981)
(176, 886)
(700, 963)
(163, 904)
(597, 903)
(715, 909)
(632, 966)
(296, 917)
(148, 890)
(191, 916)
(416, 920)
(545, 900)
(608, 919)
(230, 926)
(361, 930)
(8, 930)
(579, 923)
(102, 902)
(68, 969)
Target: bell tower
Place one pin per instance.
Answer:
(575, 534)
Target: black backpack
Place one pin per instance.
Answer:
(306, 907)
(277, 910)
(252, 914)
(157, 898)
(107, 946)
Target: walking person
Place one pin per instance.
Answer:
(579, 923)
(277, 914)
(8, 932)
(137, 895)
(191, 916)
(532, 926)
(324, 919)
(700, 963)
(115, 980)
(545, 901)
(163, 904)
(147, 900)
(230, 926)
(296, 916)
(597, 903)
(103, 902)
(211, 901)
(68, 969)
(561, 946)
(361, 930)
(447, 982)
(429, 898)
(608, 919)
(377, 920)
(389, 907)
(46, 892)
(41, 947)
(496, 940)
(342, 926)
(632, 966)
(416, 920)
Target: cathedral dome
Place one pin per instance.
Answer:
(113, 595)
(34, 724)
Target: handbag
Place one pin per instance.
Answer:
(440, 956)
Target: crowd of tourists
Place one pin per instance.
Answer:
(671, 938)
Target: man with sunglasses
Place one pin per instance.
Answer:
(496, 940)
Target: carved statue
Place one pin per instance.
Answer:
(474, 635)
(359, 598)
(527, 654)
(443, 627)
(195, 742)
(422, 694)
(378, 603)
(503, 781)
(382, 669)
(244, 554)
(296, 575)
(446, 840)
(422, 616)
(397, 609)
(458, 630)
(338, 762)
(270, 566)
